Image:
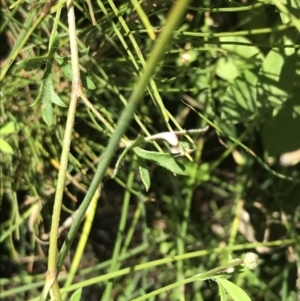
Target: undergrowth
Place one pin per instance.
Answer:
(148, 148)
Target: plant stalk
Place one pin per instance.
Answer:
(51, 282)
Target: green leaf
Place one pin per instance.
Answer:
(5, 147)
(67, 70)
(226, 69)
(87, 82)
(144, 173)
(46, 81)
(233, 45)
(47, 94)
(84, 52)
(47, 113)
(56, 99)
(275, 79)
(222, 292)
(235, 292)
(47, 87)
(76, 296)
(59, 59)
(8, 128)
(165, 160)
(239, 101)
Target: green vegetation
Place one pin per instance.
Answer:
(150, 150)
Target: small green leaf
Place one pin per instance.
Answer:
(44, 94)
(8, 128)
(165, 160)
(76, 296)
(275, 79)
(235, 292)
(47, 113)
(67, 70)
(56, 99)
(144, 173)
(47, 94)
(87, 82)
(60, 59)
(38, 99)
(5, 147)
(47, 88)
(84, 52)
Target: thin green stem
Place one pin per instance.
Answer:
(54, 28)
(229, 9)
(235, 33)
(65, 151)
(116, 253)
(226, 34)
(76, 86)
(144, 18)
(83, 239)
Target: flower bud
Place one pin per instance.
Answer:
(250, 260)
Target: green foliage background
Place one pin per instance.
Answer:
(237, 65)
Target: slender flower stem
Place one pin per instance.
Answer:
(76, 89)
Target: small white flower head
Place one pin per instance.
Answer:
(290, 158)
(185, 57)
(250, 260)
